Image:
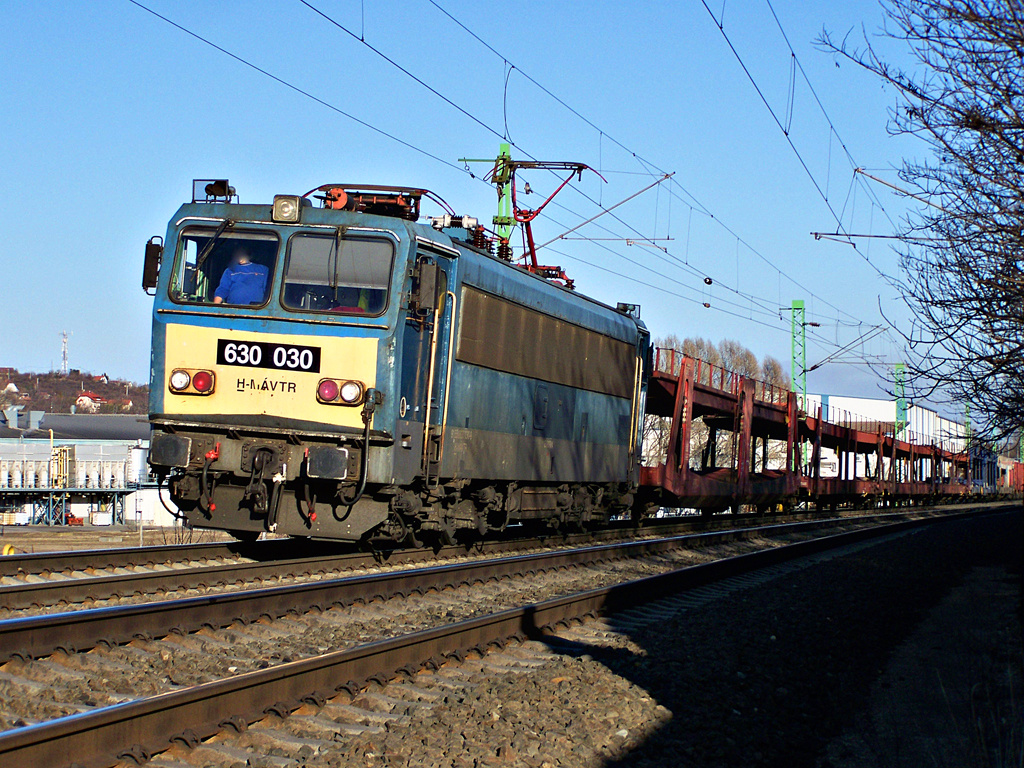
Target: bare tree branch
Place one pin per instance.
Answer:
(965, 284)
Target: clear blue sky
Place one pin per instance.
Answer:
(109, 113)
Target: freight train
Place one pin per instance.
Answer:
(346, 371)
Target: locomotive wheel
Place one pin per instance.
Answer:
(441, 536)
(445, 537)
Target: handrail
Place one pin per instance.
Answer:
(668, 360)
(448, 372)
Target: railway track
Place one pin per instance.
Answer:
(31, 637)
(58, 580)
(136, 729)
(60, 565)
(64, 565)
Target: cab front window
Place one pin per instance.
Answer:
(338, 273)
(231, 267)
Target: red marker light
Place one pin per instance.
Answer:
(202, 381)
(327, 390)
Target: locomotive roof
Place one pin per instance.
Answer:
(478, 268)
(502, 279)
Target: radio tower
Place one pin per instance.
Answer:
(64, 353)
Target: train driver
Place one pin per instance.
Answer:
(243, 282)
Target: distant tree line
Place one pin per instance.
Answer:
(55, 393)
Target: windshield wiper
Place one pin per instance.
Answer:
(339, 234)
(209, 245)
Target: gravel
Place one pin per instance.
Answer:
(775, 670)
(772, 670)
(31, 691)
(66, 683)
(770, 675)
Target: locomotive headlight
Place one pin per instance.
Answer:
(286, 208)
(180, 380)
(203, 382)
(340, 392)
(191, 381)
(327, 390)
(352, 392)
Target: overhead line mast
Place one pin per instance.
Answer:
(503, 176)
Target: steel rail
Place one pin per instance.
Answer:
(79, 630)
(73, 590)
(277, 560)
(319, 557)
(36, 563)
(126, 557)
(136, 730)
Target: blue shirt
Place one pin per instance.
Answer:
(243, 284)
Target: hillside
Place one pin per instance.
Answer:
(88, 393)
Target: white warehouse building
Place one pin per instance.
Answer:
(925, 427)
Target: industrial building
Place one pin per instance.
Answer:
(918, 425)
(61, 469)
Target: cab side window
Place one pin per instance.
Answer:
(234, 268)
(335, 273)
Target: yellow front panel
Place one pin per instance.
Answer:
(263, 391)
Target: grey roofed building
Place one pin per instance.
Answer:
(80, 426)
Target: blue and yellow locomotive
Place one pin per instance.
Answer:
(345, 372)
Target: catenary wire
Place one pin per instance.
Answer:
(334, 108)
(398, 140)
(764, 303)
(299, 90)
(649, 168)
(821, 106)
(840, 228)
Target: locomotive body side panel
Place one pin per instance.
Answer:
(543, 382)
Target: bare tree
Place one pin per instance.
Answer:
(962, 247)
(774, 373)
(739, 359)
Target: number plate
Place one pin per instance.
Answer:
(259, 354)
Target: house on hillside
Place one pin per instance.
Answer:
(89, 402)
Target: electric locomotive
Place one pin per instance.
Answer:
(345, 371)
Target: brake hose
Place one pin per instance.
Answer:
(206, 492)
(363, 463)
(373, 398)
(176, 514)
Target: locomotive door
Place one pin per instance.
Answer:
(641, 375)
(429, 338)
